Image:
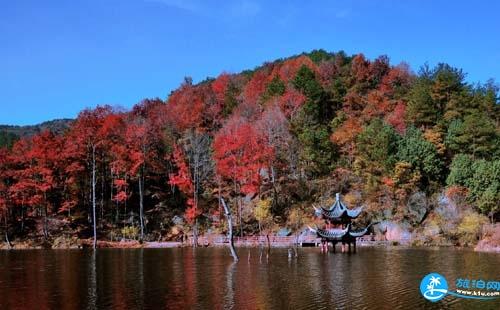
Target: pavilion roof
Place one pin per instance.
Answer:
(339, 210)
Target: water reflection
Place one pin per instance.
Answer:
(229, 295)
(208, 279)
(92, 280)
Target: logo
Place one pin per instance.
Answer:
(434, 287)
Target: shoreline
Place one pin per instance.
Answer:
(80, 244)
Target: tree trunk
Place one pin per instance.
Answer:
(141, 205)
(22, 216)
(125, 208)
(240, 217)
(227, 211)
(296, 247)
(45, 224)
(102, 198)
(93, 197)
(195, 233)
(195, 196)
(7, 233)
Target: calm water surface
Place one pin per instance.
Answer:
(374, 278)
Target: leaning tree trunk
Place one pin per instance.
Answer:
(229, 217)
(93, 197)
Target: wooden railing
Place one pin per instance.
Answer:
(274, 240)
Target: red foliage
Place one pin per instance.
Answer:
(256, 86)
(360, 68)
(398, 76)
(388, 182)
(347, 132)
(3, 181)
(353, 104)
(377, 105)
(185, 109)
(216, 103)
(397, 117)
(327, 70)
(288, 70)
(240, 153)
(379, 68)
(137, 146)
(219, 87)
(34, 161)
(457, 193)
(121, 197)
(291, 101)
(183, 180)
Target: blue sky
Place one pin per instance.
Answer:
(58, 57)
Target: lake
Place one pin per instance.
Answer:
(206, 278)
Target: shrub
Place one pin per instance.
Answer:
(130, 232)
(469, 229)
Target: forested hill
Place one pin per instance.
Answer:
(9, 134)
(418, 149)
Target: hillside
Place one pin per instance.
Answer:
(9, 134)
(420, 151)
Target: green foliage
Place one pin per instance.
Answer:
(347, 113)
(275, 88)
(479, 135)
(461, 170)
(230, 99)
(7, 139)
(311, 125)
(475, 135)
(318, 105)
(337, 92)
(434, 92)
(317, 152)
(448, 81)
(305, 81)
(319, 55)
(377, 146)
(422, 110)
(484, 185)
(481, 177)
(452, 140)
(421, 154)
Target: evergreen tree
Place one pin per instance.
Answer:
(461, 170)
(311, 126)
(448, 81)
(422, 110)
(484, 185)
(475, 135)
(377, 146)
(421, 154)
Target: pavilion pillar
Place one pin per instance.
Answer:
(349, 246)
(354, 243)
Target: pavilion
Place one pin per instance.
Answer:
(338, 219)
